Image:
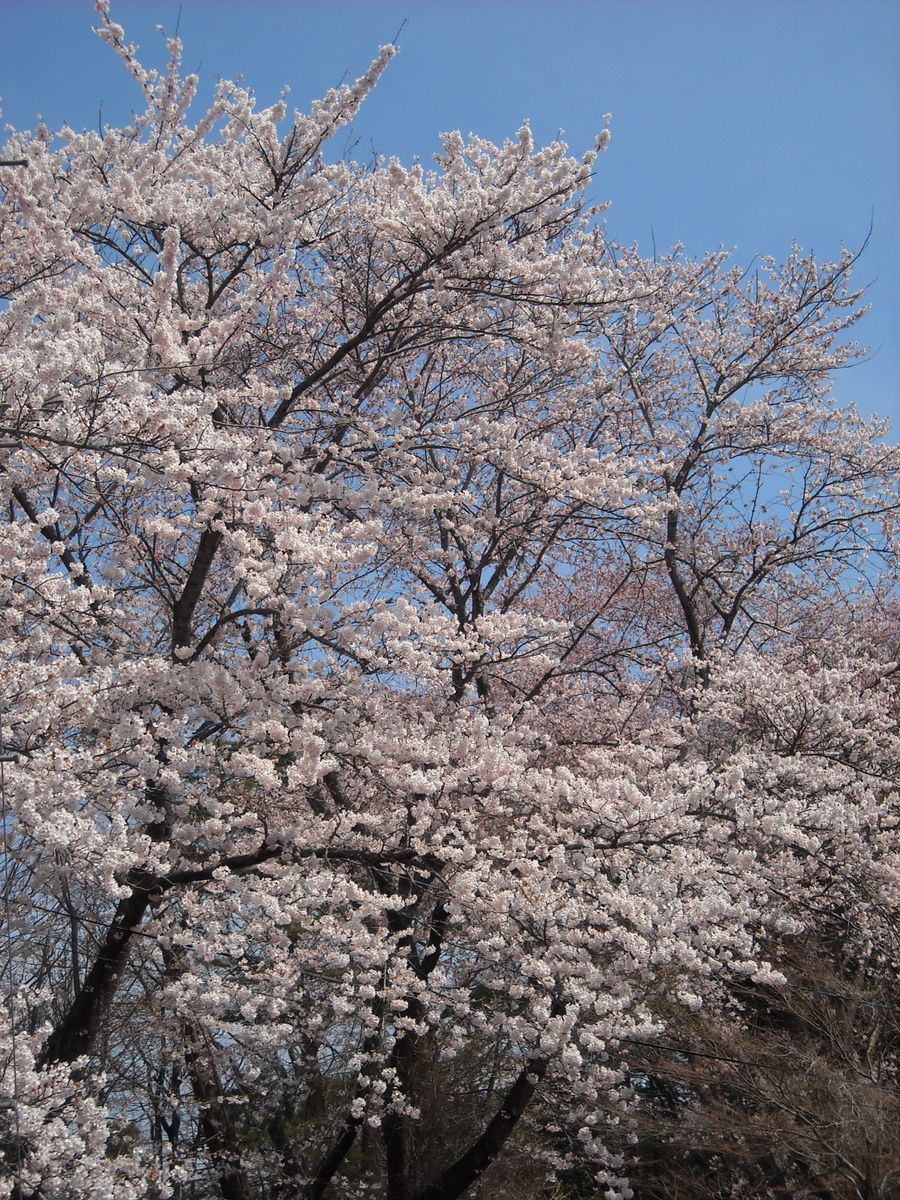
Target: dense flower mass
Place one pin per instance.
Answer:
(438, 648)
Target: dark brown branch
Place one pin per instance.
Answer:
(75, 1035)
(216, 1121)
(401, 291)
(695, 633)
(227, 619)
(331, 1163)
(340, 1147)
(460, 1176)
(183, 609)
(75, 569)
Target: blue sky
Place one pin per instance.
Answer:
(744, 123)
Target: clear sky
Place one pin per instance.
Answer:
(743, 123)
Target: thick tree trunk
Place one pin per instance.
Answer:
(397, 1131)
(76, 1033)
(216, 1125)
(460, 1176)
(331, 1163)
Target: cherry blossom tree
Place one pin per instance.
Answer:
(404, 592)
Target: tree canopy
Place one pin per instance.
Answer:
(445, 657)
